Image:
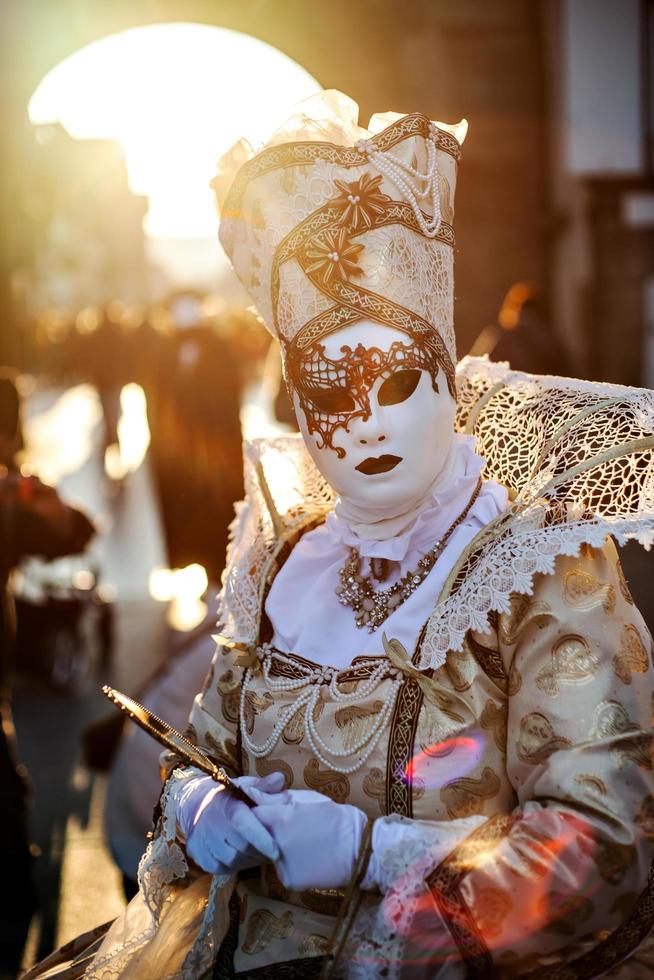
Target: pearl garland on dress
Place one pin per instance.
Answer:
(410, 181)
(309, 686)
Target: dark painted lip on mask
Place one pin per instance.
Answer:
(378, 464)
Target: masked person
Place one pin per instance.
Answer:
(431, 677)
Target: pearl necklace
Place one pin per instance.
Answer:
(309, 685)
(371, 606)
(410, 181)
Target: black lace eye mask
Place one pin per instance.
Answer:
(333, 392)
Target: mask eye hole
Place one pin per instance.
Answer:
(399, 386)
(332, 401)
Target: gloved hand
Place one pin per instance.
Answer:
(318, 840)
(222, 834)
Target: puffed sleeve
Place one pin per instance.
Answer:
(564, 878)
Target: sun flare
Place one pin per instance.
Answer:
(176, 96)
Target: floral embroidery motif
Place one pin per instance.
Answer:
(632, 657)
(333, 255)
(361, 201)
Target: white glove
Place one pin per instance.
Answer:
(318, 840)
(222, 834)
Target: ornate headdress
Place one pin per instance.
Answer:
(329, 224)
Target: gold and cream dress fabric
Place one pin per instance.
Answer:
(540, 726)
(523, 710)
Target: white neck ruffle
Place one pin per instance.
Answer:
(392, 536)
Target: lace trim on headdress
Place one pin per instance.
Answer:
(285, 154)
(313, 201)
(577, 456)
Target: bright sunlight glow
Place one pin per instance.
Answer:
(176, 96)
(183, 588)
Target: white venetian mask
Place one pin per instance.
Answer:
(376, 414)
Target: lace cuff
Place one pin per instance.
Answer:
(405, 851)
(164, 860)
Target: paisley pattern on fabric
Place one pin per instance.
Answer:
(592, 784)
(538, 740)
(571, 663)
(581, 869)
(524, 609)
(465, 796)
(335, 785)
(354, 721)
(255, 705)
(583, 591)
(314, 945)
(461, 668)
(374, 786)
(494, 719)
(262, 928)
(229, 689)
(265, 766)
(632, 657)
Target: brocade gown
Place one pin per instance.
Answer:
(508, 750)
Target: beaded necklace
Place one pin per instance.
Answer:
(306, 686)
(410, 181)
(371, 606)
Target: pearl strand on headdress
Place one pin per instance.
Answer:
(306, 702)
(398, 172)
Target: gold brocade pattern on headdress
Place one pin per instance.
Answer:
(324, 234)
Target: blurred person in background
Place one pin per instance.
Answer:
(33, 521)
(194, 406)
(524, 335)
